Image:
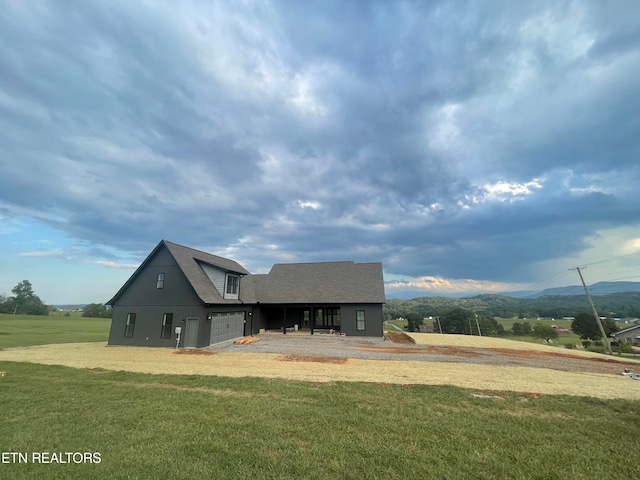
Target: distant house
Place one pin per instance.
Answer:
(213, 299)
(629, 335)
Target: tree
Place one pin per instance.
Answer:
(585, 325)
(458, 320)
(96, 310)
(413, 321)
(25, 301)
(526, 328)
(490, 326)
(517, 328)
(544, 332)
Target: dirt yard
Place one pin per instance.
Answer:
(471, 362)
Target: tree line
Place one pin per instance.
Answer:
(551, 306)
(463, 321)
(24, 301)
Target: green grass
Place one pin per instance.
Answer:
(187, 426)
(26, 330)
(162, 426)
(400, 323)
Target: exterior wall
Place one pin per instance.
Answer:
(373, 320)
(148, 327)
(629, 336)
(216, 276)
(255, 321)
(176, 290)
(149, 303)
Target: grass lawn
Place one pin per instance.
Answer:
(189, 426)
(161, 426)
(26, 330)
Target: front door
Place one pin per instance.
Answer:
(191, 333)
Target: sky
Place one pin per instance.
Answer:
(471, 147)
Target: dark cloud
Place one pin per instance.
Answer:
(405, 132)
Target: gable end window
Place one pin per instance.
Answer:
(131, 324)
(160, 281)
(167, 323)
(360, 320)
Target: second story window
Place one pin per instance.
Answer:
(160, 281)
(232, 285)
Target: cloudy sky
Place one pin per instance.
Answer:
(468, 146)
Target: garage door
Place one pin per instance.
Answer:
(226, 326)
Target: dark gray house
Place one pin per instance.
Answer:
(213, 299)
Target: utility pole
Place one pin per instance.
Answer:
(595, 312)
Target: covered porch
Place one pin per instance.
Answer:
(306, 318)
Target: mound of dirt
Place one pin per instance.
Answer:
(194, 351)
(400, 337)
(310, 358)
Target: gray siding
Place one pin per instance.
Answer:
(148, 328)
(373, 320)
(216, 276)
(176, 291)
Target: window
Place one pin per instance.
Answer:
(327, 317)
(232, 284)
(131, 324)
(361, 324)
(167, 323)
(160, 282)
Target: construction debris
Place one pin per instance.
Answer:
(631, 375)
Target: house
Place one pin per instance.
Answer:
(213, 299)
(628, 335)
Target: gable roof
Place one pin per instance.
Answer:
(325, 282)
(188, 260)
(292, 283)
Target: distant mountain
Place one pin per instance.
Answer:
(600, 288)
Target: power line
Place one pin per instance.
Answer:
(637, 254)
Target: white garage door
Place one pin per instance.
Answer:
(226, 326)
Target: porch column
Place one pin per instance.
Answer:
(284, 322)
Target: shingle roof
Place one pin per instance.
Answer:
(293, 283)
(188, 260)
(326, 282)
(625, 330)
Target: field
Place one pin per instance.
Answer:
(205, 426)
(25, 330)
(507, 323)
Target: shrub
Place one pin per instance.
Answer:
(597, 349)
(622, 347)
(570, 346)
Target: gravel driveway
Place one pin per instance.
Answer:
(435, 349)
(470, 362)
